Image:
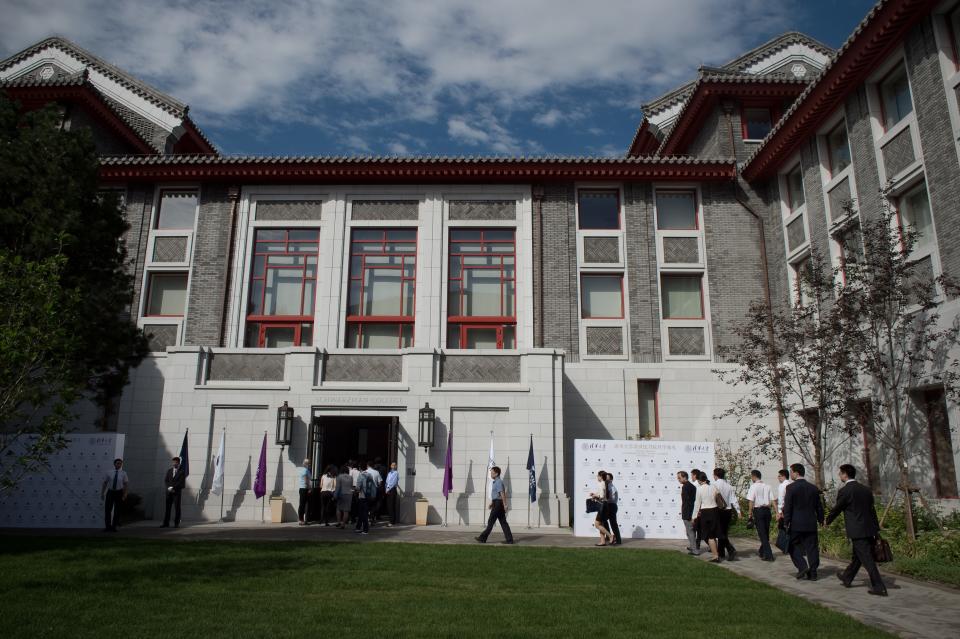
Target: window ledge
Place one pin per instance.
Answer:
(241, 385)
(360, 386)
(495, 388)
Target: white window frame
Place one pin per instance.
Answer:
(930, 247)
(789, 215)
(836, 224)
(883, 137)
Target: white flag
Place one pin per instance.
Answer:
(218, 467)
(490, 462)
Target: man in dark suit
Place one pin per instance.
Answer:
(174, 481)
(802, 511)
(855, 501)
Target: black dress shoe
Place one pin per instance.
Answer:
(879, 593)
(812, 575)
(508, 542)
(733, 556)
(846, 582)
(802, 574)
(481, 540)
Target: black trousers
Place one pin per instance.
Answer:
(327, 504)
(723, 529)
(302, 506)
(805, 550)
(613, 526)
(111, 509)
(391, 499)
(497, 513)
(173, 500)
(863, 556)
(363, 515)
(761, 519)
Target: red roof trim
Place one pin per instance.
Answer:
(856, 60)
(706, 95)
(192, 140)
(644, 142)
(400, 171)
(38, 96)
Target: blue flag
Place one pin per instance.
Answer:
(184, 458)
(532, 469)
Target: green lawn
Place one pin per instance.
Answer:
(91, 587)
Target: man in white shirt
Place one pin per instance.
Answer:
(112, 492)
(724, 547)
(760, 497)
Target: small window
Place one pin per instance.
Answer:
(915, 214)
(802, 274)
(682, 296)
(599, 210)
(795, 197)
(895, 97)
(676, 210)
(757, 122)
(838, 149)
(648, 391)
(178, 210)
(167, 295)
(601, 296)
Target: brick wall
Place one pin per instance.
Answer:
(139, 208)
(560, 321)
(813, 193)
(208, 276)
(936, 140)
(641, 256)
(860, 135)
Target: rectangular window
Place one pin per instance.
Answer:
(941, 447)
(757, 122)
(682, 296)
(599, 210)
(795, 197)
(167, 296)
(382, 291)
(801, 281)
(895, 97)
(482, 289)
(648, 396)
(676, 210)
(283, 288)
(838, 149)
(851, 246)
(177, 210)
(601, 296)
(914, 210)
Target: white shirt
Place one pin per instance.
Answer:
(782, 494)
(375, 476)
(354, 474)
(726, 491)
(760, 494)
(706, 498)
(328, 484)
(121, 478)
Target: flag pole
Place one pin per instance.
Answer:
(221, 490)
(263, 500)
(486, 480)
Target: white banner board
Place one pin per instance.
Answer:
(67, 495)
(645, 474)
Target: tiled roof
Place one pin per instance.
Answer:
(164, 101)
(28, 81)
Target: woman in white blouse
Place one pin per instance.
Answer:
(706, 513)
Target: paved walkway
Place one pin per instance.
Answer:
(913, 609)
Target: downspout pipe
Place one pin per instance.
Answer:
(767, 298)
(233, 195)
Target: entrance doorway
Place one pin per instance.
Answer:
(335, 440)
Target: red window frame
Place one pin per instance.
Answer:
(842, 124)
(656, 403)
(156, 221)
(697, 276)
(149, 295)
(407, 258)
(259, 251)
(616, 193)
(456, 319)
(298, 331)
(583, 306)
(696, 208)
(899, 66)
(786, 178)
(772, 110)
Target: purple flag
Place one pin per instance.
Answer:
(448, 468)
(260, 484)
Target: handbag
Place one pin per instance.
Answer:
(783, 540)
(594, 505)
(721, 502)
(880, 549)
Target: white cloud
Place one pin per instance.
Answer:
(375, 63)
(398, 148)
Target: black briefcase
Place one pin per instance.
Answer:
(594, 505)
(881, 550)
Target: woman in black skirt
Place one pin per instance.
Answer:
(600, 494)
(706, 513)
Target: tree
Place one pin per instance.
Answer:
(901, 342)
(58, 231)
(795, 361)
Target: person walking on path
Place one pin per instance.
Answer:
(688, 495)
(705, 513)
(600, 521)
(724, 547)
(760, 497)
(303, 484)
(855, 501)
(174, 481)
(113, 492)
(498, 508)
(612, 499)
(802, 511)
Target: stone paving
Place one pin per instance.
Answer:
(913, 609)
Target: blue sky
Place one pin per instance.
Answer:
(413, 77)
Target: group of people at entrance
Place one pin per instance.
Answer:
(707, 510)
(358, 494)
